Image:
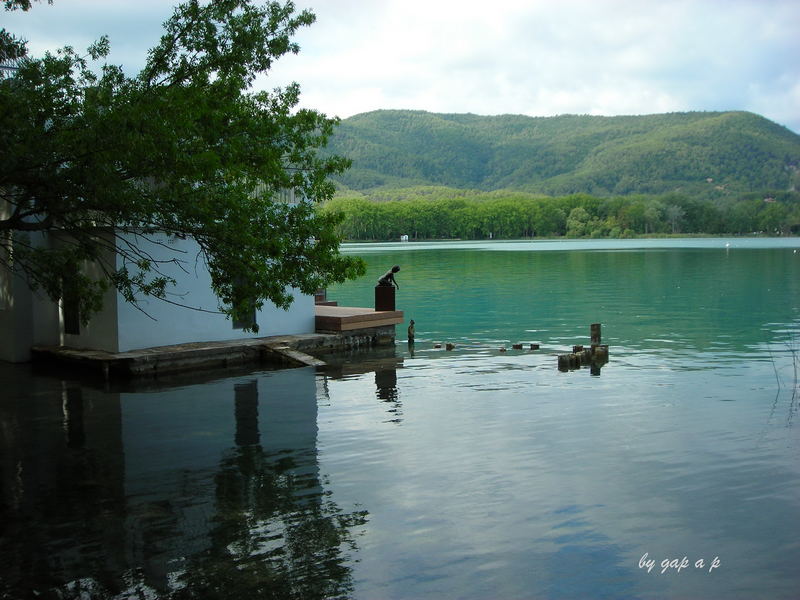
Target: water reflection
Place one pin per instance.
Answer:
(386, 390)
(199, 491)
(246, 403)
(586, 559)
(384, 363)
(386, 384)
(73, 417)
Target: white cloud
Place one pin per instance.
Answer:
(538, 57)
(544, 58)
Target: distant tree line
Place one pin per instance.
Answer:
(440, 213)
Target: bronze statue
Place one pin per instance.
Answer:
(411, 331)
(388, 277)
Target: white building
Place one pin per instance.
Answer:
(30, 318)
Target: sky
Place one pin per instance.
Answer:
(531, 57)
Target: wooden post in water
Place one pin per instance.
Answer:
(595, 356)
(586, 356)
(596, 333)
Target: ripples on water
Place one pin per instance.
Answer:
(471, 473)
(548, 484)
(504, 476)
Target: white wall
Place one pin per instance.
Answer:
(9, 342)
(15, 319)
(26, 318)
(101, 333)
(160, 323)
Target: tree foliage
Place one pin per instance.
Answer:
(444, 213)
(99, 160)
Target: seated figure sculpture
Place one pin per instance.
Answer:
(388, 277)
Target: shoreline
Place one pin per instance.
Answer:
(588, 239)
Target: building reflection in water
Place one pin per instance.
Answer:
(200, 491)
(384, 363)
(386, 390)
(73, 417)
(246, 413)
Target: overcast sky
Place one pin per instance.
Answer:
(532, 57)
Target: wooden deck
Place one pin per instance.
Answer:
(349, 318)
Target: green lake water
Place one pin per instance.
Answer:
(417, 472)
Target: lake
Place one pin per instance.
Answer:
(415, 472)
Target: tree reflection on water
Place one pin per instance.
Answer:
(275, 534)
(168, 493)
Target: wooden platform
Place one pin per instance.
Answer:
(349, 318)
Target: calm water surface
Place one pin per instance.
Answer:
(422, 473)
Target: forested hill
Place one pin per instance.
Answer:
(708, 153)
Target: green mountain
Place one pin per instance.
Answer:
(694, 152)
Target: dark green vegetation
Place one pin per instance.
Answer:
(97, 159)
(708, 153)
(467, 176)
(428, 213)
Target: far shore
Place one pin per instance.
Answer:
(653, 236)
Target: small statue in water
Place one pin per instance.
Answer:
(411, 332)
(388, 277)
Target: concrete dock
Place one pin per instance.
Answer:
(338, 329)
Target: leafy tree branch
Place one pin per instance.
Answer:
(185, 148)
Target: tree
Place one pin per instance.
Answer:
(674, 215)
(652, 216)
(633, 216)
(577, 222)
(774, 219)
(184, 148)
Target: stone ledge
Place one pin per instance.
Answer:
(282, 350)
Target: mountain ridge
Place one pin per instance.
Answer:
(704, 153)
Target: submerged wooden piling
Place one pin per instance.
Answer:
(569, 361)
(595, 333)
(595, 356)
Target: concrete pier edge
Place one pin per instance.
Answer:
(282, 350)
